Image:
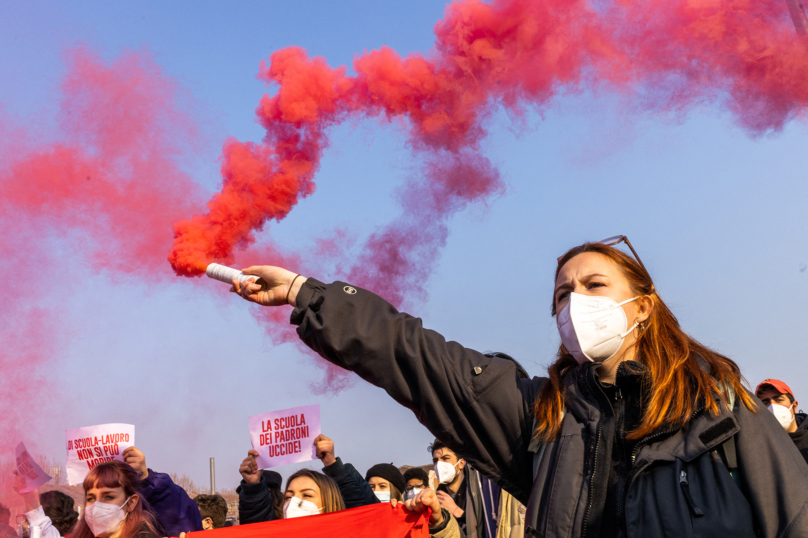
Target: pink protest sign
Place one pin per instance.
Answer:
(286, 436)
(87, 447)
(29, 469)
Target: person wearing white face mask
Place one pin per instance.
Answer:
(113, 505)
(455, 493)
(637, 430)
(386, 481)
(309, 493)
(416, 480)
(779, 399)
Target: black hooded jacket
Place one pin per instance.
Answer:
(677, 483)
(800, 437)
(255, 500)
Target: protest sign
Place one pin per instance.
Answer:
(372, 521)
(87, 447)
(34, 475)
(286, 436)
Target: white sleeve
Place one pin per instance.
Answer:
(37, 517)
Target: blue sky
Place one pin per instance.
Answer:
(717, 217)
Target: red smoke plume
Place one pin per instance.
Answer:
(662, 56)
(106, 181)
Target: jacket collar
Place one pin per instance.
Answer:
(703, 432)
(582, 383)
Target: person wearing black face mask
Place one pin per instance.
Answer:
(637, 429)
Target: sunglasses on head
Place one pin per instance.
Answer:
(616, 240)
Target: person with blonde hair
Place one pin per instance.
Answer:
(309, 493)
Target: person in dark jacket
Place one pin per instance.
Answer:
(174, 510)
(638, 430)
(356, 490)
(260, 494)
(471, 498)
(779, 399)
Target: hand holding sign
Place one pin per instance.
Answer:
(29, 497)
(325, 450)
(27, 469)
(285, 436)
(137, 460)
(249, 468)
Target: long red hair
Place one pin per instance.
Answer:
(116, 474)
(675, 383)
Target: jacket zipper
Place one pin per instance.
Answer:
(683, 483)
(594, 461)
(620, 480)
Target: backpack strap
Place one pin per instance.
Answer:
(726, 450)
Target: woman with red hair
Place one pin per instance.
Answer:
(113, 505)
(637, 430)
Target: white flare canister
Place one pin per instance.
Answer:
(226, 274)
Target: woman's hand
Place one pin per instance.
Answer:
(137, 461)
(426, 499)
(249, 468)
(30, 498)
(277, 286)
(325, 450)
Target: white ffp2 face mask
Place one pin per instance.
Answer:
(593, 328)
(296, 507)
(383, 496)
(411, 494)
(103, 518)
(445, 471)
(782, 414)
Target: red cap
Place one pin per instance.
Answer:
(776, 384)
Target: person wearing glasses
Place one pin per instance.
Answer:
(637, 430)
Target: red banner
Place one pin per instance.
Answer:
(375, 521)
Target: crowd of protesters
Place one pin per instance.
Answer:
(638, 430)
(129, 500)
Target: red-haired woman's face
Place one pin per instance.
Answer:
(592, 273)
(109, 496)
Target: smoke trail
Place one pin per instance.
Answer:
(102, 191)
(666, 57)
(662, 57)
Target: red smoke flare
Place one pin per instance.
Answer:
(663, 56)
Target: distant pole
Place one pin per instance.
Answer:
(798, 16)
(212, 476)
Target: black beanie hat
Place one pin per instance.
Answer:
(389, 472)
(272, 479)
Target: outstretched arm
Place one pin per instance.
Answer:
(475, 404)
